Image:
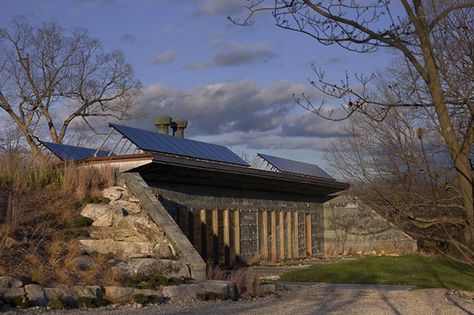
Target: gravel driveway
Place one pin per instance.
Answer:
(319, 299)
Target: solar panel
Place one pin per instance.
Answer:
(72, 153)
(295, 167)
(155, 142)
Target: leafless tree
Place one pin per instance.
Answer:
(434, 40)
(400, 168)
(51, 78)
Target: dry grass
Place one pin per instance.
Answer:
(246, 280)
(43, 202)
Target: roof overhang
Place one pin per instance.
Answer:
(181, 170)
(193, 172)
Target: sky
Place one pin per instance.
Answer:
(234, 84)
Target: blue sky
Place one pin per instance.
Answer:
(234, 84)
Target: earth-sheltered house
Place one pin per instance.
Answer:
(227, 211)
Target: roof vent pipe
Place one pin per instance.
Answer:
(162, 124)
(178, 126)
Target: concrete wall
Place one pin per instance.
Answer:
(250, 204)
(352, 227)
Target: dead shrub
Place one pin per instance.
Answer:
(255, 259)
(215, 273)
(44, 202)
(247, 281)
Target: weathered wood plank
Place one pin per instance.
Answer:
(236, 235)
(226, 224)
(274, 235)
(264, 235)
(203, 229)
(281, 233)
(296, 235)
(289, 243)
(215, 236)
(309, 235)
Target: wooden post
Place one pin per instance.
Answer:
(226, 224)
(289, 243)
(309, 236)
(202, 221)
(296, 236)
(236, 235)
(215, 236)
(191, 225)
(281, 234)
(264, 250)
(274, 235)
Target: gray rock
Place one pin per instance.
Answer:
(223, 288)
(127, 250)
(10, 282)
(120, 294)
(36, 294)
(183, 292)
(83, 262)
(71, 294)
(10, 293)
(133, 199)
(114, 193)
(126, 295)
(58, 293)
(110, 218)
(143, 225)
(129, 207)
(91, 292)
(118, 234)
(94, 211)
(150, 266)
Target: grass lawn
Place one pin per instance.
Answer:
(417, 271)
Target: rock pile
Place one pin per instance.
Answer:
(121, 229)
(14, 293)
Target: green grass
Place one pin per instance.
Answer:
(416, 271)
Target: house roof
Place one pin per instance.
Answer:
(183, 161)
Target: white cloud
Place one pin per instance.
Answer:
(236, 54)
(163, 57)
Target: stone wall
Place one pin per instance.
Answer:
(351, 227)
(124, 231)
(250, 204)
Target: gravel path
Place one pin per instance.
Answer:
(320, 299)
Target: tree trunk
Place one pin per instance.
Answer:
(466, 185)
(458, 155)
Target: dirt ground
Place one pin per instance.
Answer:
(317, 299)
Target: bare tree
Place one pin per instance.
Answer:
(434, 39)
(400, 168)
(51, 78)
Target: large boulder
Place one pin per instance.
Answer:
(10, 282)
(70, 295)
(36, 294)
(151, 266)
(94, 211)
(117, 234)
(114, 193)
(220, 288)
(127, 250)
(110, 218)
(12, 293)
(183, 292)
(129, 207)
(126, 295)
